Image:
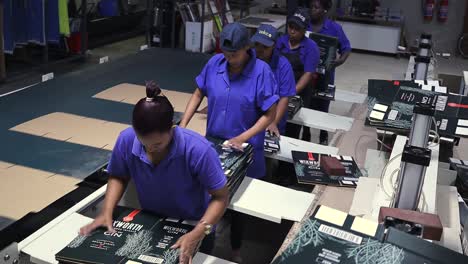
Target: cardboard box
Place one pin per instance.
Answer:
(192, 36)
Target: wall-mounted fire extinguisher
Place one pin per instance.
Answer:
(443, 11)
(428, 9)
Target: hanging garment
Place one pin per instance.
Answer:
(63, 18)
(52, 21)
(20, 23)
(8, 27)
(35, 21)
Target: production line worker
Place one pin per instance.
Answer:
(242, 96)
(320, 23)
(303, 54)
(176, 172)
(264, 42)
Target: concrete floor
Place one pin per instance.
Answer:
(260, 244)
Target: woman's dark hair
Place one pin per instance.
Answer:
(326, 4)
(153, 113)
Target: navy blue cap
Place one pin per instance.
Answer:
(301, 18)
(234, 37)
(266, 35)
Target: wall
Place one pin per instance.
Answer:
(445, 35)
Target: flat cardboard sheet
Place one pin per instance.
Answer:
(270, 202)
(131, 94)
(43, 249)
(321, 120)
(74, 129)
(25, 190)
(288, 144)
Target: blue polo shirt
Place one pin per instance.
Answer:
(285, 79)
(308, 51)
(236, 103)
(331, 28)
(178, 186)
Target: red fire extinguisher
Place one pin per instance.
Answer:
(429, 7)
(443, 11)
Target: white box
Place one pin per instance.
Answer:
(192, 36)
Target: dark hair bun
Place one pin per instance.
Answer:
(152, 89)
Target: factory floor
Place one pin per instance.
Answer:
(260, 243)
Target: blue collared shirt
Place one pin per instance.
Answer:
(178, 186)
(331, 28)
(235, 104)
(308, 51)
(285, 79)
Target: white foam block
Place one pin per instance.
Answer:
(433, 83)
(462, 131)
(270, 202)
(441, 89)
(393, 115)
(377, 115)
(463, 122)
(380, 107)
(426, 87)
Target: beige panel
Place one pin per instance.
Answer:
(4, 165)
(74, 129)
(21, 171)
(131, 94)
(121, 92)
(59, 123)
(25, 190)
(198, 124)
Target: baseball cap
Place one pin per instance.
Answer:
(266, 35)
(234, 37)
(301, 18)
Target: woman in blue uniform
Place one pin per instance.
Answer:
(264, 42)
(176, 173)
(304, 56)
(242, 97)
(319, 23)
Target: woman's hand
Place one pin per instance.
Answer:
(187, 245)
(236, 143)
(273, 129)
(102, 220)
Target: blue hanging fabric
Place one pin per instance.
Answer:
(20, 23)
(108, 8)
(8, 27)
(52, 21)
(35, 21)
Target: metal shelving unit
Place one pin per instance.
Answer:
(154, 9)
